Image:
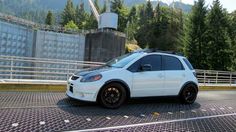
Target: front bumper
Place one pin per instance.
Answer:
(87, 98)
(83, 91)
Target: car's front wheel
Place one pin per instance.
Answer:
(189, 94)
(112, 95)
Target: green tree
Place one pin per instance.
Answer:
(145, 27)
(71, 26)
(123, 12)
(132, 24)
(149, 10)
(232, 32)
(69, 13)
(132, 15)
(91, 22)
(158, 29)
(195, 36)
(116, 5)
(104, 8)
(81, 16)
(218, 38)
(50, 18)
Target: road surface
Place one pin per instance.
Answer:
(40, 111)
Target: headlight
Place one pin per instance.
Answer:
(91, 78)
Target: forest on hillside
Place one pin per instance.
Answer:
(36, 10)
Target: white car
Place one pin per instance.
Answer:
(137, 74)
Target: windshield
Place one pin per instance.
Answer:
(123, 60)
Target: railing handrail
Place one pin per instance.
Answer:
(48, 59)
(15, 67)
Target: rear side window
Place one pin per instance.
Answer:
(172, 63)
(153, 60)
(188, 64)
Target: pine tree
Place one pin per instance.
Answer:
(194, 39)
(132, 24)
(50, 18)
(116, 5)
(104, 8)
(119, 8)
(69, 13)
(149, 10)
(132, 15)
(140, 35)
(232, 32)
(81, 16)
(218, 38)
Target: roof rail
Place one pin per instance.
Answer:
(159, 51)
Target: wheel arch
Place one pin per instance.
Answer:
(187, 83)
(123, 83)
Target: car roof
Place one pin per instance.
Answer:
(160, 52)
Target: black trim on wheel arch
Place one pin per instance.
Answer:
(187, 83)
(125, 85)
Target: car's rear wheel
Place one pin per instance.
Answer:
(189, 94)
(112, 95)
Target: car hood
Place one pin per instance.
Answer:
(94, 71)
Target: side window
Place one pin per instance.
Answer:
(134, 67)
(172, 63)
(188, 64)
(153, 60)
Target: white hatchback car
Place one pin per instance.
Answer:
(137, 74)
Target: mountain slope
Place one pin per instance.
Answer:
(23, 8)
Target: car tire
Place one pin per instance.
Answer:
(112, 96)
(189, 94)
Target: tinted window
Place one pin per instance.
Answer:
(188, 64)
(153, 60)
(171, 63)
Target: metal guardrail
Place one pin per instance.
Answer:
(12, 67)
(206, 77)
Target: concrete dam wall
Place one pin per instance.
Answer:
(21, 40)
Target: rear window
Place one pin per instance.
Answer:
(172, 63)
(188, 64)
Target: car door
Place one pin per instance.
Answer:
(174, 75)
(147, 82)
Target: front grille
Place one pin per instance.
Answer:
(74, 78)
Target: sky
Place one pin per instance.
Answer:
(230, 5)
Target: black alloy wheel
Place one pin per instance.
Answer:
(189, 94)
(112, 95)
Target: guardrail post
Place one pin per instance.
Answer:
(11, 76)
(217, 77)
(230, 79)
(204, 77)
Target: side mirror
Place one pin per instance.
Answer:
(146, 67)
